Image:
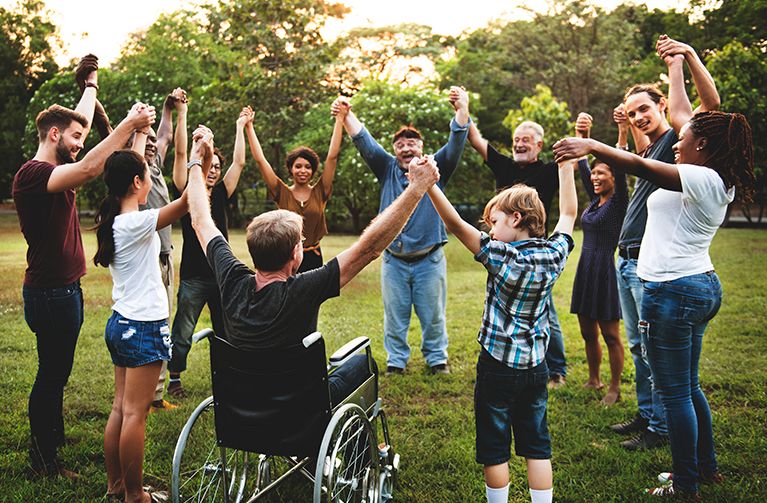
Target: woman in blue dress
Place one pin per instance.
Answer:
(595, 290)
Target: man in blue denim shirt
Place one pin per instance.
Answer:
(413, 270)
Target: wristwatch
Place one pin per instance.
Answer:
(193, 162)
(622, 147)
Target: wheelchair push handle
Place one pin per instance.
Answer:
(203, 334)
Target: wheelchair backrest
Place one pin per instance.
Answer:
(270, 401)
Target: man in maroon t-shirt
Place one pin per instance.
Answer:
(44, 194)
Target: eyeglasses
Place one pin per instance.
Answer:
(217, 167)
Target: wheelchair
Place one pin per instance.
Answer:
(270, 417)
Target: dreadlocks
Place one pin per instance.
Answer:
(732, 151)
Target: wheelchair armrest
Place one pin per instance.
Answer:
(203, 334)
(348, 350)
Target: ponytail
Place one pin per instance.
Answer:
(120, 169)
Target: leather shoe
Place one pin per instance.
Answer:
(440, 369)
(636, 425)
(390, 371)
(556, 381)
(645, 440)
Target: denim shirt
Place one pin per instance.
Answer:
(425, 227)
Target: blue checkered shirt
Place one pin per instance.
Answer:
(521, 275)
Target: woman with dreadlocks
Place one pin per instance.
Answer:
(714, 166)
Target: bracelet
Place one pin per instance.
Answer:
(92, 84)
(622, 147)
(193, 162)
(140, 131)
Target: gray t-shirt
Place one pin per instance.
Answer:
(635, 221)
(157, 198)
(281, 313)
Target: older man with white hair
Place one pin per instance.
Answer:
(525, 167)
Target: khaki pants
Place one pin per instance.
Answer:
(166, 268)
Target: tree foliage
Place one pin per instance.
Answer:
(26, 62)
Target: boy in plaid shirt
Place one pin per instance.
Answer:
(522, 265)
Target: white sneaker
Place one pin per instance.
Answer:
(665, 478)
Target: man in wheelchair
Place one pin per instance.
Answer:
(274, 307)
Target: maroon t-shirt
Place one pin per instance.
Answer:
(55, 256)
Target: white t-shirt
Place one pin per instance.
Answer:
(681, 225)
(138, 291)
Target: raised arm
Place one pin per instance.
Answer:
(329, 170)
(674, 53)
(232, 176)
(264, 167)
(659, 173)
(70, 176)
(568, 198)
(465, 232)
(165, 128)
(180, 144)
(351, 123)
(197, 192)
(624, 127)
(387, 225)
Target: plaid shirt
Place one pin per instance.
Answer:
(521, 275)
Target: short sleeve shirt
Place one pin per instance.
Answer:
(50, 225)
(520, 277)
(281, 313)
(312, 210)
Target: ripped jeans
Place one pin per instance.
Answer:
(134, 343)
(674, 317)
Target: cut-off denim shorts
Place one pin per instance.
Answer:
(506, 400)
(134, 343)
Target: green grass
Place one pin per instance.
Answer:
(431, 418)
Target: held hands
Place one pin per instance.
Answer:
(423, 172)
(459, 98)
(571, 148)
(583, 125)
(177, 99)
(341, 106)
(620, 117)
(246, 117)
(671, 51)
(141, 116)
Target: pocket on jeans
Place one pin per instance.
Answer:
(126, 336)
(498, 390)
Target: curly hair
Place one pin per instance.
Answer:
(304, 153)
(731, 147)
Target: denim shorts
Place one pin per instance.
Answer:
(506, 400)
(135, 343)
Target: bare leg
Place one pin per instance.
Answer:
(112, 436)
(497, 476)
(590, 334)
(539, 475)
(612, 336)
(140, 383)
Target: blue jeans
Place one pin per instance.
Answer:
(506, 400)
(630, 291)
(348, 377)
(420, 285)
(674, 317)
(555, 353)
(193, 294)
(55, 315)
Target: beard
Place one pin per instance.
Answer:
(65, 154)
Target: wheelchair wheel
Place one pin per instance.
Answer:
(197, 463)
(347, 465)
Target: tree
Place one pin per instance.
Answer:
(403, 53)
(741, 78)
(26, 62)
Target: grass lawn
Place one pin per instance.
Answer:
(431, 418)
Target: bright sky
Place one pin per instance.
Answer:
(103, 27)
